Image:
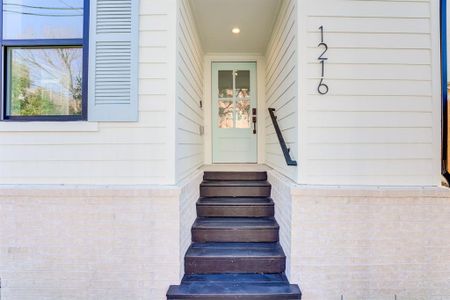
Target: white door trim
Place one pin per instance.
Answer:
(260, 75)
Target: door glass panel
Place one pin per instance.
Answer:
(37, 19)
(243, 114)
(225, 84)
(242, 84)
(225, 113)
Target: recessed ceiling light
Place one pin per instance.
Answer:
(236, 30)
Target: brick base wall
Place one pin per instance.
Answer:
(100, 243)
(369, 243)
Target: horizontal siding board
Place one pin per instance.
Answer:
(107, 136)
(416, 167)
(372, 40)
(369, 9)
(369, 119)
(153, 22)
(370, 152)
(369, 25)
(374, 87)
(368, 56)
(153, 86)
(369, 180)
(369, 103)
(370, 72)
(333, 137)
(153, 54)
(153, 38)
(125, 168)
(87, 152)
(153, 70)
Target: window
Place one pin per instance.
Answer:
(44, 58)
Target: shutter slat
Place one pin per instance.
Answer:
(113, 64)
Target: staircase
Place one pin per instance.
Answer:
(235, 252)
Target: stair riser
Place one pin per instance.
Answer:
(235, 211)
(212, 191)
(236, 297)
(245, 176)
(201, 265)
(245, 236)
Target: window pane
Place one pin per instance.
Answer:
(243, 114)
(225, 114)
(37, 19)
(44, 82)
(225, 84)
(242, 84)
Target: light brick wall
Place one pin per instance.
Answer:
(89, 243)
(281, 195)
(367, 243)
(190, 192)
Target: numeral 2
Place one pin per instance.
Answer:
(324, 51)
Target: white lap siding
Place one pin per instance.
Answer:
(117, 153)
(281, 89)
(379, 122)
(189, 115)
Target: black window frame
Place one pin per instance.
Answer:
(444, 89)
(40, 43)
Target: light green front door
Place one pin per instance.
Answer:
(233, 108)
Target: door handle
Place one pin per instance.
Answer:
(254, 120)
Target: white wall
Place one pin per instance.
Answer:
(189, 115)
(380, 122)
(107, 153)
(281, 89)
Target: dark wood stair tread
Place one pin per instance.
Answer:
(235, 188)
(236, 223)
(234, 183)
(219, 291)
(248, 207)
(236, 277)
(234, 201)
(211, 175)
(243, 250)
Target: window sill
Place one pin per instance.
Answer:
(48, 126)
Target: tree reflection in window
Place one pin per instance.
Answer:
(243, 114)
(45, 81)
(226, 114)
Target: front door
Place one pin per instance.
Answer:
(234, 112)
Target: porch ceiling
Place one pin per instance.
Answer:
(216, 18)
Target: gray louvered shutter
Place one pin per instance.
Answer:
(113, 60)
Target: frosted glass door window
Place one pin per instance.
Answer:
(235, 110)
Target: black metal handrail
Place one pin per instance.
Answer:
(284, 148)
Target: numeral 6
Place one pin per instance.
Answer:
(322, 88)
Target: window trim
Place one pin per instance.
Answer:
(84, 43)
(444, 82)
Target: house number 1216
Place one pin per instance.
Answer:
(322, 88)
